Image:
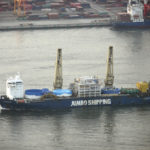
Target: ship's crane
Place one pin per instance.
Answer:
(58, 82)
(18, 6)
(109, 76)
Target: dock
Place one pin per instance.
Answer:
(56, 25)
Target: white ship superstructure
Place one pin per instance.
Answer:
(14, 87)
(135, 8)
(89, 86)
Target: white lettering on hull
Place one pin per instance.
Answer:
(91, 102)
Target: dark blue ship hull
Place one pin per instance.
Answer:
(65, 103)
(145, 24)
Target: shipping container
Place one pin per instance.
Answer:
(64, 16)
(47, 5)
(4, 3)
(93, 15)
(79, 8)
(35, 7)
(62, 92)
(74, 16)
(75, 4)
(4, 6)
(85, 5)
(33, 17)
(53, 15)
(1, 9)
(85, 14)
(39, 0)
(129, 91)
(35, 93)
(73, 9)
(124, 17)
(43, 17)
(62, 9)
(57, 5)
(29, 1)
(110, 91)
(28, 7)
(28, 12)
(46, 9)
(104, 14)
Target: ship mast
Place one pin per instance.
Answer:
(109, 76)
(58, 82)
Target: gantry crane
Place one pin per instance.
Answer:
(58, 82)
(109, 75)
(18, 6)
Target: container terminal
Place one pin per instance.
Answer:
(84, 91)
(44, 14)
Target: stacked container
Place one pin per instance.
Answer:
(124, 17)
(53, 15)
(4, 6)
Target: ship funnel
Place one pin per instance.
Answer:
(109, 75)
(58, 82)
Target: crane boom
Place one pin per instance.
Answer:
(18, 4)
(58, 82)
(109, 75)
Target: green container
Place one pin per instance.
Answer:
(48, 5)
(103, 13)
(129, 91)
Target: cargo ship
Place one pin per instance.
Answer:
(83, 92)
(137, 15)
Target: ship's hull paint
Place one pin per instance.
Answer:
(145, 24)
(74, 102)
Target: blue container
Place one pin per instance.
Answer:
(110, 91)
(45, 91)
(62, 92)
(37, 92)
(62, 9)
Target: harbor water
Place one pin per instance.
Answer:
(33, 54)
